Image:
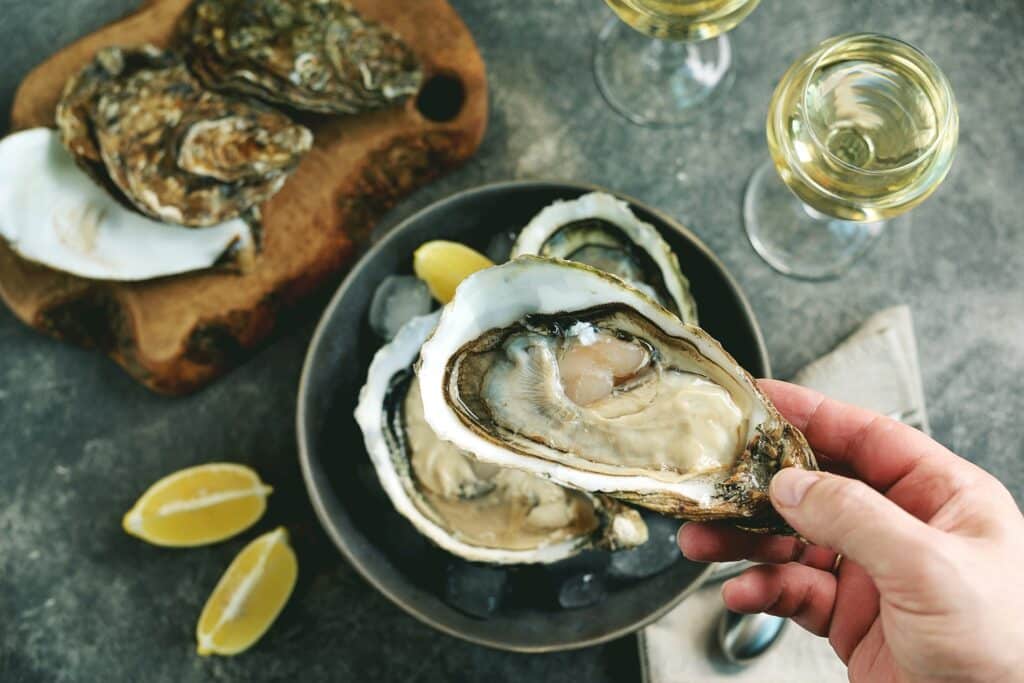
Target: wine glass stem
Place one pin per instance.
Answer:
(660, 82)
(814, 214)
(654, 55)
(796, 239)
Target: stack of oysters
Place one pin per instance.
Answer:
(185, 144)
(512, 425)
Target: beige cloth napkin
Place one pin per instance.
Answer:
(877, 368)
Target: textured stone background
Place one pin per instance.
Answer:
(79, 440)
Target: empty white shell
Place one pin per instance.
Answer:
(602, 206)
(52, 213)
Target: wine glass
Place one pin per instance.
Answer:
(860, 129)
(676, 59)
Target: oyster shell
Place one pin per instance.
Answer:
(314, 55)
(580, 378)
(603, 232)
(474, 510)
(52, 213)
(176, 151)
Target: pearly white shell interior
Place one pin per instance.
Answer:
(53, 213)
(604, 206)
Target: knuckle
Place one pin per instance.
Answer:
(841, 506)
(857, 491)
(842, 496)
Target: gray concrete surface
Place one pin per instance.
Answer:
(80, 601)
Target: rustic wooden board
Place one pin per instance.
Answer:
(177, 334)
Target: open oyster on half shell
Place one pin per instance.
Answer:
(314, 55)
(602, 231)
(566, 372)
(473, 509)
(178, 152)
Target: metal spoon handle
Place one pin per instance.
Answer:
(727, 570)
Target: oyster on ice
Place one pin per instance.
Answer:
(314, 55)
(601, 231)
(565, 372)
(52, 213)
(178, 152)
(472, 509)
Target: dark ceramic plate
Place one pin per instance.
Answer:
(379, 543)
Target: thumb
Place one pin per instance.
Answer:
(851, 518)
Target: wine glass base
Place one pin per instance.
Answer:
(796, 240)
(659, 82)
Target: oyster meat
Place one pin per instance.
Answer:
(53, 213)
(601, 231)
(473, 509)
(178, 152)
(565, 372)
(314, 55)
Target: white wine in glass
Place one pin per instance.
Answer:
(861, 129)
(674, 20)
(666, 57)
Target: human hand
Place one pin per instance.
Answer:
(933, 547)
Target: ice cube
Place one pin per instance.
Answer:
(656, 555)
(475, 589)
(586, 562)
(500, 246)
(581, 590)
(398, 299)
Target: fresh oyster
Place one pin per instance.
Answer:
(52, 213)
(601, 231)
(176, 151)
(566, 372)
(472, 509)
(315, 55)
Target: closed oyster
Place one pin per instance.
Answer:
(565, 372)
(314, 55)
(176, 151)
(603, 232)
(472, 509)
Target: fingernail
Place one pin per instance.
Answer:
(789, 486)
(728, 586)
(679, 539)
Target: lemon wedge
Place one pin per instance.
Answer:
(443, 265)
(198, 505)
(249, 596)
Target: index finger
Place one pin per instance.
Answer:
(875, 448)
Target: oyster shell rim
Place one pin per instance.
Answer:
(606, 206)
